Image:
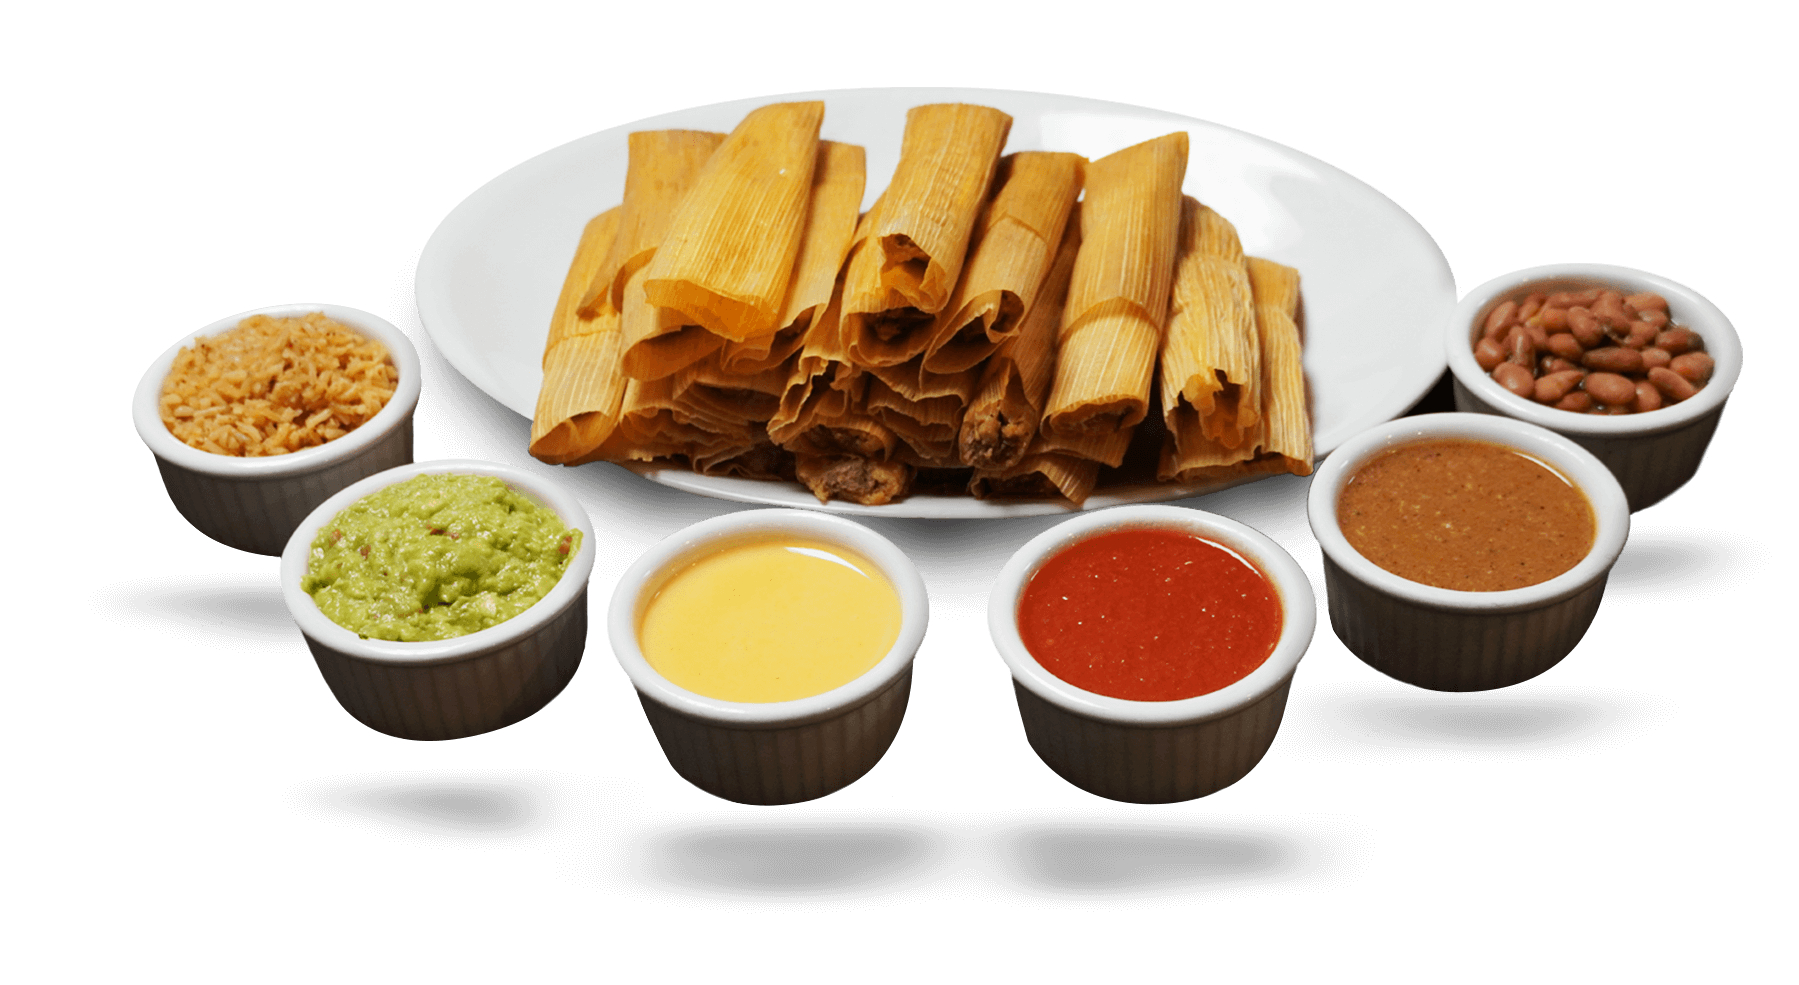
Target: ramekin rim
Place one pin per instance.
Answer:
(1611, 512)
(315, 625)
(147, 419)
(1721, 341)
(1299, 615)
(901, 572)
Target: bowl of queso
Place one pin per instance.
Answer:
(443, 599)
(771, 650)
(1670, 353)
(1151, 648)
(1465, 552)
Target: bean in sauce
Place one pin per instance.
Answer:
(1625, 355)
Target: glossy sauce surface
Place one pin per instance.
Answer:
(770, 620)
(1149, 615)
(1467, 515)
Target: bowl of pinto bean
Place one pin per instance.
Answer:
(1633, 367)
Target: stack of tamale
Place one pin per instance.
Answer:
(978, 327)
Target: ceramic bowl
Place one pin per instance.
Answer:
(1449, 640)
(1153, 751)
(254, 504)
(1652, 454)
(777, 752)
(448, 689)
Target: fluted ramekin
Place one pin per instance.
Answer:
(1449, 640)
(253, 504)
(448, 689)
(1153, 752)
(1651, 454)
(776, 752)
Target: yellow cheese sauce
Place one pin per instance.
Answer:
(770, 620)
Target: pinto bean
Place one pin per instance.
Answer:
(1610, 388)
(1554, 364)
(1696, 367)
(1531, 305)
(1641, 335)
(1488, 354)
(1517, 379)
(1553, 319)
(1672, 385)
(1580, 401)
(1565, 346)
(1657, 318)
(1677, 341)
(1555, 386)
(1648, 397)
(1501, 318)
(1610, 310)
(1520, 347)
(1585, 327)
(1614, 359)
(1647, 301)
(1568, 299)
(1653, 357)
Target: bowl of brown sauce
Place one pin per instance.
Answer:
(1465, 552)
(1630, 365)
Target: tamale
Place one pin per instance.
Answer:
(920, 230)
(821, 412)
(651, 426)
(760, 461)
(1014, 245)
(1286, 430)
(1001, 418)
(923, 408)
(658, 341)
(577, 404)
(1211, 368)
(1039, 474)
(838, 180)
(1117, 302)
(727, 258)
(660, 166)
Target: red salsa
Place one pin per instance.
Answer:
(1149, 615)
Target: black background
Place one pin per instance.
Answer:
(335, 205)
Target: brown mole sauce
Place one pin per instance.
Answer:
(1467, 515)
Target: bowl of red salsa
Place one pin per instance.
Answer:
(1151, 648)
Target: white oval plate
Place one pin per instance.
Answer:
(1376, 288)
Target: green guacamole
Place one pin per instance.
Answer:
(436, 557)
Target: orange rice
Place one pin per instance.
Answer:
(271, 386)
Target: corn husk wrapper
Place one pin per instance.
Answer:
(923, 408)
(661, 165)
(1001, 418)
(1037, 475)
(821, 413)
(1281, 441)
(1118, 295)
(1211, 366)
(838, 180)
(727, 258)
(705, 391)
(578, 402)
(658, 341)
(1013, 249)
(1285, 439)
(763, 460)
(920, 230)
(652, 425)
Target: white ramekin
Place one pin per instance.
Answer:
(253, 504)
(1153, 752)
(1652, 454)
(1449, 640)
(447, 689)
(777, 752)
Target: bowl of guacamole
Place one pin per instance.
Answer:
(443, 599)
(437, 556)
